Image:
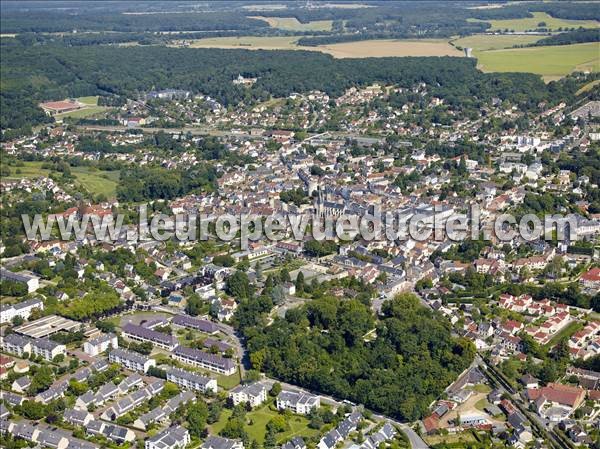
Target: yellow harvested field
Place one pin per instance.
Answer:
(292, 24)
(383, 48)
(361, 49)
(249, 42)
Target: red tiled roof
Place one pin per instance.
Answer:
(592, 275)
(431, 423)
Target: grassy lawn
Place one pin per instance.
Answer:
(292, 24)
(256, 422)
(565, 333)
(90, 101)
(465, 437)
(482, 388)
(94, 181)
(88, 111)
(530, 23)
(495, 41)
(549, 61)
(481, 404)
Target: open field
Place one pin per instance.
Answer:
(94, 181)
(87, 111)
(531, 23)
(463, 437)
(390, 47)
(361, 49)
(249, 42)
(90, 101)
(259, 418)
(552, 62)
(496, 41)
(292, 24)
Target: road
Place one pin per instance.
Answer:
(194, 131)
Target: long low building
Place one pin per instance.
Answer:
(192, 381)
(131, 360)
(20, 345)
(143, 334)
(31, 281)
(208, 327)
(201, 359)
(22, 309)
(48, 325)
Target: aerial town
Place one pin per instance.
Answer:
(291, 341)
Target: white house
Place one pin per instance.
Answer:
(131, 360)
(253, 394)
(22, 309)
(98, 345)
(298, 402)
(171, 438)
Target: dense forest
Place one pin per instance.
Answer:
(572, 37)
(141, 184)
(31, 74)
(391, 19)
(324, 346)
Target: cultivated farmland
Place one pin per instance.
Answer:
(552, 61)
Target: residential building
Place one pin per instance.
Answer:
(16, 344)
(253, 394)
(201, 359)
(48, 349)
(192, 381)
(143, 334)
(298, 402)
(98, 345)
(22, 309)
(208, 327)
(31, 281)
(131, 360)
(171, 438)
(214, 442)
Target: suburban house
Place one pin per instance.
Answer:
(214, 442)
(341, 432)
(171, 438)
(556, 401)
